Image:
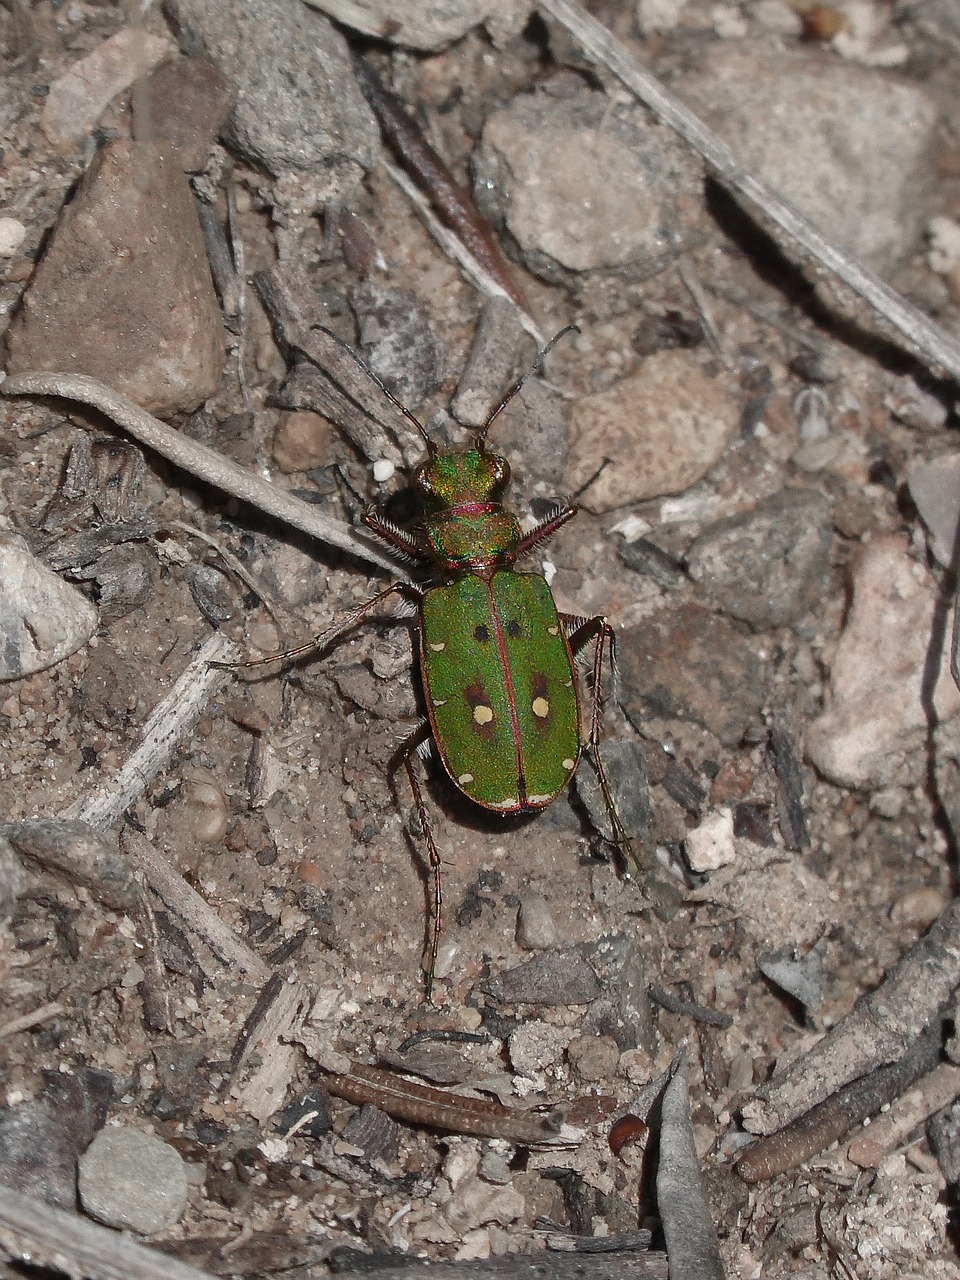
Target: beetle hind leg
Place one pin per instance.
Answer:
(418, 744)
(597, 631)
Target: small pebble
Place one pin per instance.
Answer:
(383, 470)
(865, 1153)
(935, 488)
(536, 928)
(42, 618)
(536, 1046)
(130, 1179)
(662, 428)
(205, 808)
(711, 845)
(302, 441)
(918, 908)
(12, 233)
(593, 1058)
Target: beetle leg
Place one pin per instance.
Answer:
(397, 539)
(332, 633)
(433, 854)
(545, 529)
(599, 632)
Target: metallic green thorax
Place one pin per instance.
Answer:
(464, 522)
(497, 669)
(499, 683)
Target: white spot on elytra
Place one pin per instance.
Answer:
(464, 779)
(482, 714)
(540, 708)
(568, 763)
(553, 631)
(439, 702)
(437, 648)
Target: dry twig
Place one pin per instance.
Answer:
(938, 348)
(42, 1236)
(193, 910)
(438, 1108)
(880, 1028)
(162, 731)
(827, 1122)
(196, 459)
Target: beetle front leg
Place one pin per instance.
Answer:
(433, 853)
(332, 633)
(599, 632)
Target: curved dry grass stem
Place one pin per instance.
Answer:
(935, 345)
(203, 463)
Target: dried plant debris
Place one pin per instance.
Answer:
(215, 896)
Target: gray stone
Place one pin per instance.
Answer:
(123, 293)
(875, 726)
(42, 618)
(625, 766)
(536, 927)
(799, 975)
(427, 24)
(935, 488)
(691, 663)
(130, 1179)
(401, 348)
(554, 977)
(583, 184)
(662, 428)
(769, 565)
(852, 148)
(298, 105)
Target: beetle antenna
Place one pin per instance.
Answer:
(482, 433)
(359, 360)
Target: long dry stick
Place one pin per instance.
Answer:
(206, 464)
(880, 1028)
(938, 348)
(162, 731)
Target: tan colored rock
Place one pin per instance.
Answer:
(663, 428)
(873, 730)
(77, 99)
(124, 293)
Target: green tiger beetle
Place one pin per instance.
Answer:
(496, 655)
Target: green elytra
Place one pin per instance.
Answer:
(496, 656)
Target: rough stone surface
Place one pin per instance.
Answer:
(298, 105)
(662, 427)
(130, 1179)
(851, 148)
(124, 293)
(426, 24)
(873, 729)
(691, 663)
(42, 618)
(935, 488)
(769, 565)
(711, 845)
(187, 101)
(555, 977)
(778, 899)
(77, 98)
(302, 441)
(581, 184)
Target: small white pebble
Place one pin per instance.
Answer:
(12, 233)
(711, 845)
(383, 470)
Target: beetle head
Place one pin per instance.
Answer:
(451, 479)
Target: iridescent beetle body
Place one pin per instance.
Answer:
(496, 656)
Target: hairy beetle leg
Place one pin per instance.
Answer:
(599, 632)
